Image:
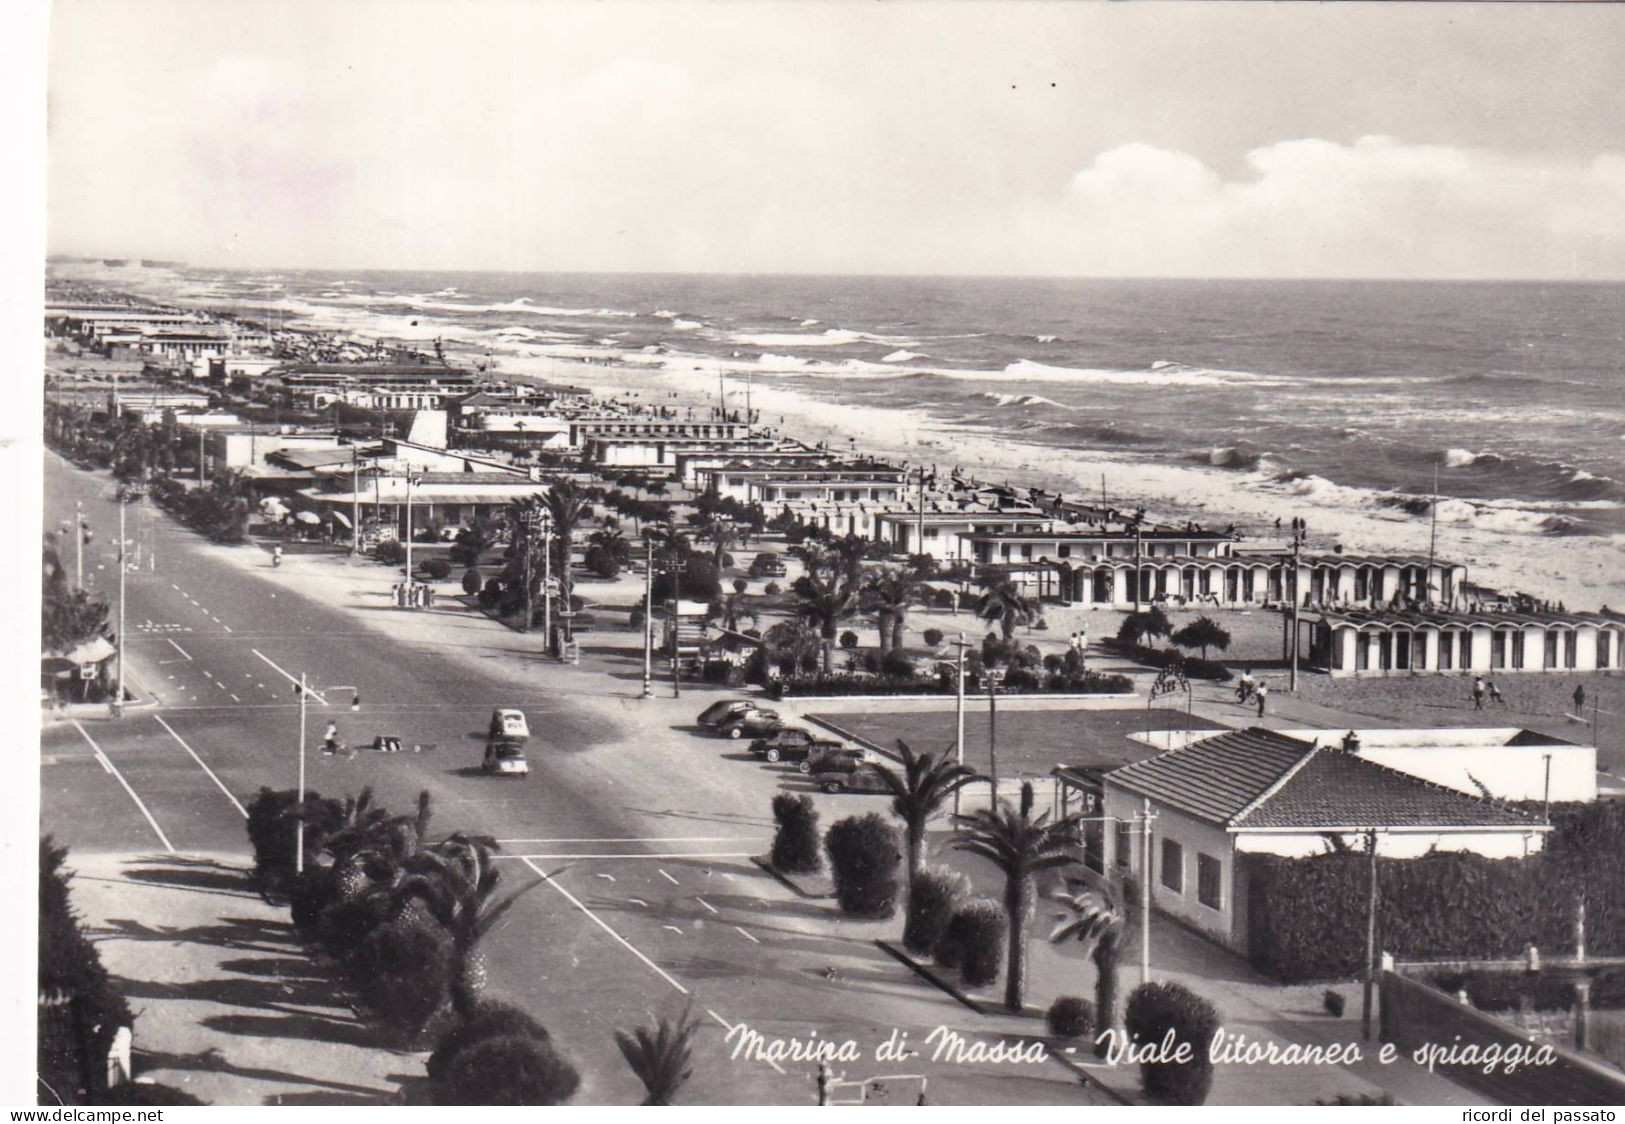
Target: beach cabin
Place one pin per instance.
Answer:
(1258, 791)
(1376, 642)
(942, 532)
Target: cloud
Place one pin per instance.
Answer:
(1379, 207)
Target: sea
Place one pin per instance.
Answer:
(1351, 404)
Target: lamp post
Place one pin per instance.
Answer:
(959, 713)
(410, 480)
(79, 544)
(118, 691)
(648, 621)
(304, 690)
(355, 499)
(1299, 530)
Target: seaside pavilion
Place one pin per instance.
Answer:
(1376, 642)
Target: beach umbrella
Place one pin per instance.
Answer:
(273, 506)
(308, 517)
(341, 520)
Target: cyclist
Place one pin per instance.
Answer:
(276, 556)
(330, 739)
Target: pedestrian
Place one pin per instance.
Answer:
(1579, 698)
(1495, 693)
(1262, 693)
(1478, 692)
(428, 596)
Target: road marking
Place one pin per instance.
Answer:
(666, 855)
(747, 936)
(641, 839)
(234, 698)
(607, 877)
(673, 928)
(628, 945)
(207, 675)
(201, 765)
(727, 1026)
(667, 877)
(708, 905)
(639, 901)
(175, 587)
(109, 766)
(227, 627)
(311, 691)
(178, 648)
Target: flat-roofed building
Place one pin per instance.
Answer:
(946, 533)
(1378, 642)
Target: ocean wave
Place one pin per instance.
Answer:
(1461, 458)
(1501, 516)
(1233, 456)
(829, 337)
(1019, 399)
(902, 356)
(1046, 339)
(1094, 434)
(808, 323)
(519, 304)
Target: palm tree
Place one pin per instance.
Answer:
(1204, 632)
(735, 606)
(1004, 603)
(613, 543)
(564, 504)
(1091, 917)
(524, 549)
(919, 790)
(889, 591)
(827, 596)
(1021, 846)
(659, 1055)
(721, 534)
(796, 635)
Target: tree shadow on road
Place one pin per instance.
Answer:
(246, 934)
(213, 1061)
(196, 874)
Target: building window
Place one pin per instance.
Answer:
(1447, 650)
(1571, 649)
(1123, 850)
(1551, 648)
(1605, 648)
(1208, 890)
(1173, 866)
(1517, 650)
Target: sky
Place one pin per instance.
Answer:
(1085, 139)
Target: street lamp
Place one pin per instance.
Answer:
(648, 621)
(410, 480)
(304, 691)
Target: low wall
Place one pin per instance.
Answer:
(1414, 1014)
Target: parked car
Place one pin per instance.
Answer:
(794, 745)
(505, 757)
(864, 778)
(767, 565)
(752, 723)
(722, 710)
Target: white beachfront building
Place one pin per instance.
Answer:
(1386, 642)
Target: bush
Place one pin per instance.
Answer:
(472, 581)
(931, 902)
(973, 943)
(508, 1069)
(932, 637)
(772, 588)
(864, 858)
(403, 970)
(897, 664)
(795, 843)
(1071, 1017)
(389, 552)
(849, 639)
(271, 832)
(1154, 1009)
(490, 1018)
(1333, 1002)
(438, 569)
(601, 562)
(636, 618)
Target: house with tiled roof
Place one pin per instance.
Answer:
(1258, 791)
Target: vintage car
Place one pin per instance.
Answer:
(505, 757)
(801, 747)
(508, 722)
(734, 718)
(864, 778)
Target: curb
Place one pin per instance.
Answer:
(1084, 1075)
(787, 880)
(931, 977)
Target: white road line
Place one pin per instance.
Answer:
(667, 877)
(294, 679)
(708, 905)
(673, 928)
(201, 765)
(178, 648)
(175, 587)
(666, 855)
(727, 1026)
(640, 839)
(208, 675)
(234, 698)
(747, 936)
(606, 877)
(227, 627)
(628, 945)
(109, 766)
(639, 901)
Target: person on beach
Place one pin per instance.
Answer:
(1262, 693)
(1478, 692)
(1495, 693)
(1579, 698)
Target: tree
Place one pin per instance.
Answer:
(919, 790)
(1148, 624)
(1203, 633)
(826, 595)
(564, 503)
(659, 1055)
(1089, 917)
(1004, 603)
(69, 617)
(888, 592)
(1021, 846)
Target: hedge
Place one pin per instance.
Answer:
(1070, 1017)
(1306, 918)
(795, 843)
(1016, 683)
(974, 943)
(1154, 1009)
(931, 902)
(864, 857)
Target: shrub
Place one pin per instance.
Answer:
(1071, 1017)
(438, 569)
(931, 902)
(1154, 1009)
(795, 843)
(740, 585)
(342, 926)
(404, 970)
(1333, 1002)
(772, 588)
(849, 639)
(932, 637)
(636, 619)
(508, 1069)
(864, 858)
(272, 834)
(601, 562)
(974, 942)
(490, 1018)
(389, 552)
(472, 581)
(897, 664)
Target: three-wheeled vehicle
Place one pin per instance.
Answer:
(505, 744)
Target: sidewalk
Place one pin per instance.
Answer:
(228, 1005)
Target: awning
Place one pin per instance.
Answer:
(308, 517)
(341, 519)
(273, 506)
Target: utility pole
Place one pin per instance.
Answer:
(1137, 545)
(355, 499)
(1433, 534)
(1299, 528)
(1145, 894)
(117, 697)
(547, 584)
(722, 396)
(79, 544)
(299, 821)
(959, 713)
(919, 547)
(993, 739)
(649, 621)
(200, 456)
(410, 480)
(1370, 936)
